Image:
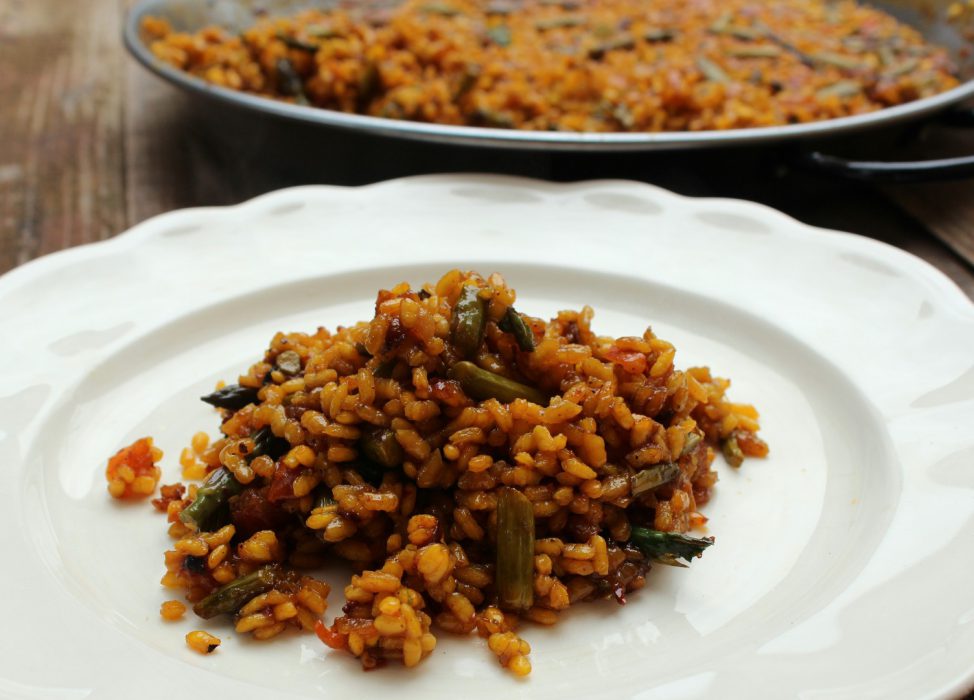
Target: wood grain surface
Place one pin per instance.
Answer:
(92, 144)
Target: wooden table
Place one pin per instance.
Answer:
(93, 144)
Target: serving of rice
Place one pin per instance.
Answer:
(478, 468)
(573, 65)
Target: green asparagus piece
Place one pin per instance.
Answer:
(666, 547)
(690, 443)
(513, 323)
(469, 320)
(229, 598)
(732, 451)
(481, 384)
(292, 42)
(654, 476)
(500, 35)
(267, 443)
(384, 369)
(711, 71)
(289, 362)
(233, 397)
(289, 82)
(210, 508)
(324, 499)
(211, 500)
(515, 550)
(381, 447)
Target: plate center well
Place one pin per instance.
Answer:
(791, 530)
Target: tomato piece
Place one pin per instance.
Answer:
(630, 360)
(331, 638)
(132, 472)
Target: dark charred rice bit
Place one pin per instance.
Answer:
(202, 642)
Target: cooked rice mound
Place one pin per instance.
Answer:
(475, 466)
(574, 65)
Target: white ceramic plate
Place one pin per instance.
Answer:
(843, 562)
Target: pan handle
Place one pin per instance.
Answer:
(937, 170)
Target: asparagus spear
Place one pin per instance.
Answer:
(514, 324)
(732, 451)
(211, 500)
(654, 476)
(289, 82)
(515, 550)
(233, 397)
(469, 320)
(667, 547)
(209, 509)
(229, 598)
(690, 443)
(381, 447)
(481, 384)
